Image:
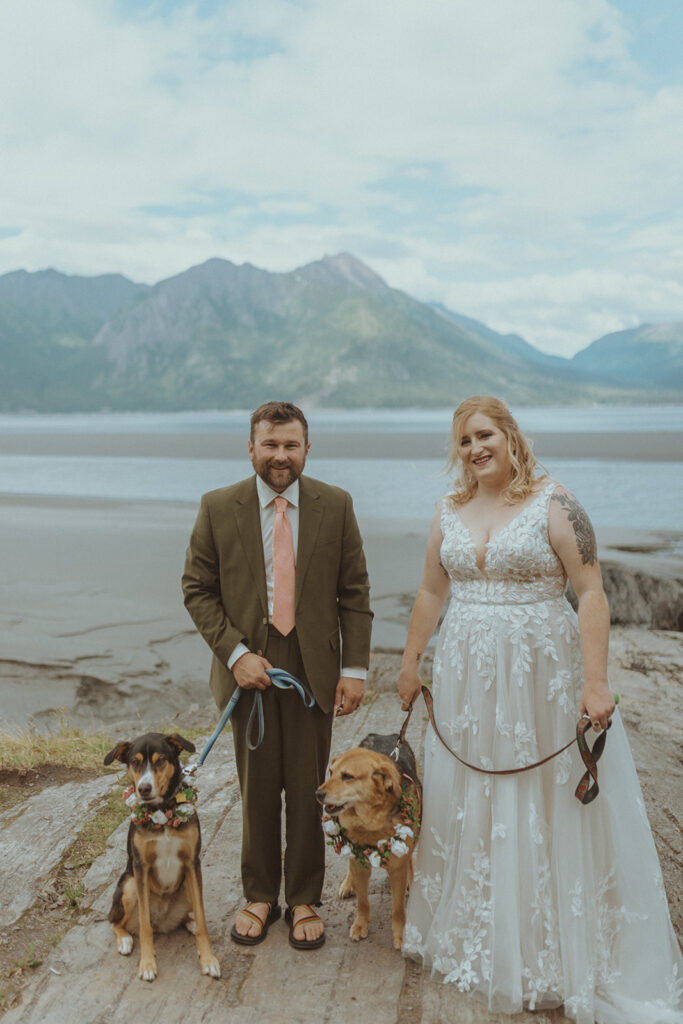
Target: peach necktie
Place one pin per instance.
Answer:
(283, 569)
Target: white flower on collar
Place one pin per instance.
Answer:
(398, 847)
(159, 818)
(330, 827)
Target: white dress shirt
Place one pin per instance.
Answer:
(266, 498)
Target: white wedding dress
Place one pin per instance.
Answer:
(522, 895)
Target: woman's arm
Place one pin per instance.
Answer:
(573, 540)
(424, 616)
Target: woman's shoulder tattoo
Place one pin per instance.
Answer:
(583, 530)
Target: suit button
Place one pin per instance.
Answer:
(265, 622)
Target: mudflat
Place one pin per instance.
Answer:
(92, 616)
(664, 446)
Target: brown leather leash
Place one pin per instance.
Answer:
(587, 789)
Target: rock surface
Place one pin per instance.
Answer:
(34, 835)
(643, 599)
(85, 981)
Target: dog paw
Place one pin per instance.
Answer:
(147, 970)
(398, 940)
(211, 967)
(346, 890)
(125, 945)
(190, 924)
(359, 930)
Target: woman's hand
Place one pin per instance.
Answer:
(409, 687)
(598, 703)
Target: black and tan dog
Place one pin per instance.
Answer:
(161, 887)
(372, 814)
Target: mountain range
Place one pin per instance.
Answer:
(331, 333)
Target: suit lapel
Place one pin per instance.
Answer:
(248, 518)
(310, 517)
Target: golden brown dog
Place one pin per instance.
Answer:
(161, 887)
(372, 816)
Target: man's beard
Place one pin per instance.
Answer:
(278, 479)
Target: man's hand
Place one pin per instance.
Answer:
(250, 672)
(348, 695)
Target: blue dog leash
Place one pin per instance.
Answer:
(279, 678)
(283, 681)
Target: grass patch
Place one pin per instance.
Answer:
(26, 750)
(29, 959)
(73, 894)
(92, 839)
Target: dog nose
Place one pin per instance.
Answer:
(320, 795)
(144, 789)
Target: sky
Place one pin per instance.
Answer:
(519, 161)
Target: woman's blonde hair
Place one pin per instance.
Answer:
(525, 469)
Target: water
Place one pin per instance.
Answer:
(552, 420)
(645, 495)
(637, 494)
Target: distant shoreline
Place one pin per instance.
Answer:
(624, 445)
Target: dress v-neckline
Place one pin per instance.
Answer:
(482, 568)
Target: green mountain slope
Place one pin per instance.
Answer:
(47, 323)
(331, 333)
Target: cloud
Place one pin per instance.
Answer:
(509, 157)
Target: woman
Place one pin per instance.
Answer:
(522, 895)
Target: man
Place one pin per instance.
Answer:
(259, 605)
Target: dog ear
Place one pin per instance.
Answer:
(332, 763)
(387, 781)
(120, 752)
(180, 743)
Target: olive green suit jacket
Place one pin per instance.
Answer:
(224, 584)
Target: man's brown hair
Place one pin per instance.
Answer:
(278, 412)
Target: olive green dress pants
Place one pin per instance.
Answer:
(292, 759)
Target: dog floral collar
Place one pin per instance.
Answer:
(377, 856)
(140, 813)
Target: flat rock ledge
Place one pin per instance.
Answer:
(639, 598)
(643, 578)
(34, 836)
(642, 599)
(85, 980)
